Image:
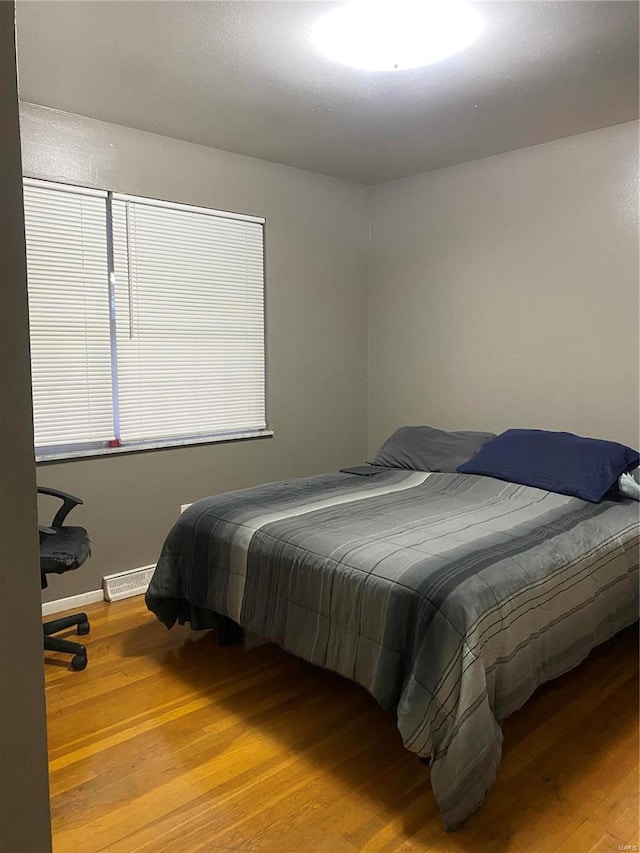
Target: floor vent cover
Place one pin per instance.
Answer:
(127, 584)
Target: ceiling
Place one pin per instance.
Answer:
(243, 77)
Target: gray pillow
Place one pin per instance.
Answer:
(424, 448)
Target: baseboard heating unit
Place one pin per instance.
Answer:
(127, 584)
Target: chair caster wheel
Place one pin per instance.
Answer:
(84, 628)
(78, 662)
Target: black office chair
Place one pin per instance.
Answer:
(63, 549)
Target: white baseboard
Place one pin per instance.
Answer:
(72, 602)
(114, 587)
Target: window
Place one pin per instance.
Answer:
(66, 235)
(147, 321)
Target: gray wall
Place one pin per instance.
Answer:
(317, 275)
(24, 792)
(504, 292)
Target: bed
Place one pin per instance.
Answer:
(449, 597)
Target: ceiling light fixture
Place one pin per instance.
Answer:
(392, 35)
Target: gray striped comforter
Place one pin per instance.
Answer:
(449, 597)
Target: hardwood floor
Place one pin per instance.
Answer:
(168, 742)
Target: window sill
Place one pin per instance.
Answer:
(84, 453)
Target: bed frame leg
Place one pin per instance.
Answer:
(227, 631)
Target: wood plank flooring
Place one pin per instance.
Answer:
(168, 742)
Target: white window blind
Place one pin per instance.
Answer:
(189, 297)
(66, 238)
(147, 321)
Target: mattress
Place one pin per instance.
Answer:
(449, 597)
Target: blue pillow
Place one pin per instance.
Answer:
(556, 461)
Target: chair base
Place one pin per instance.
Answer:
(56, 644)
